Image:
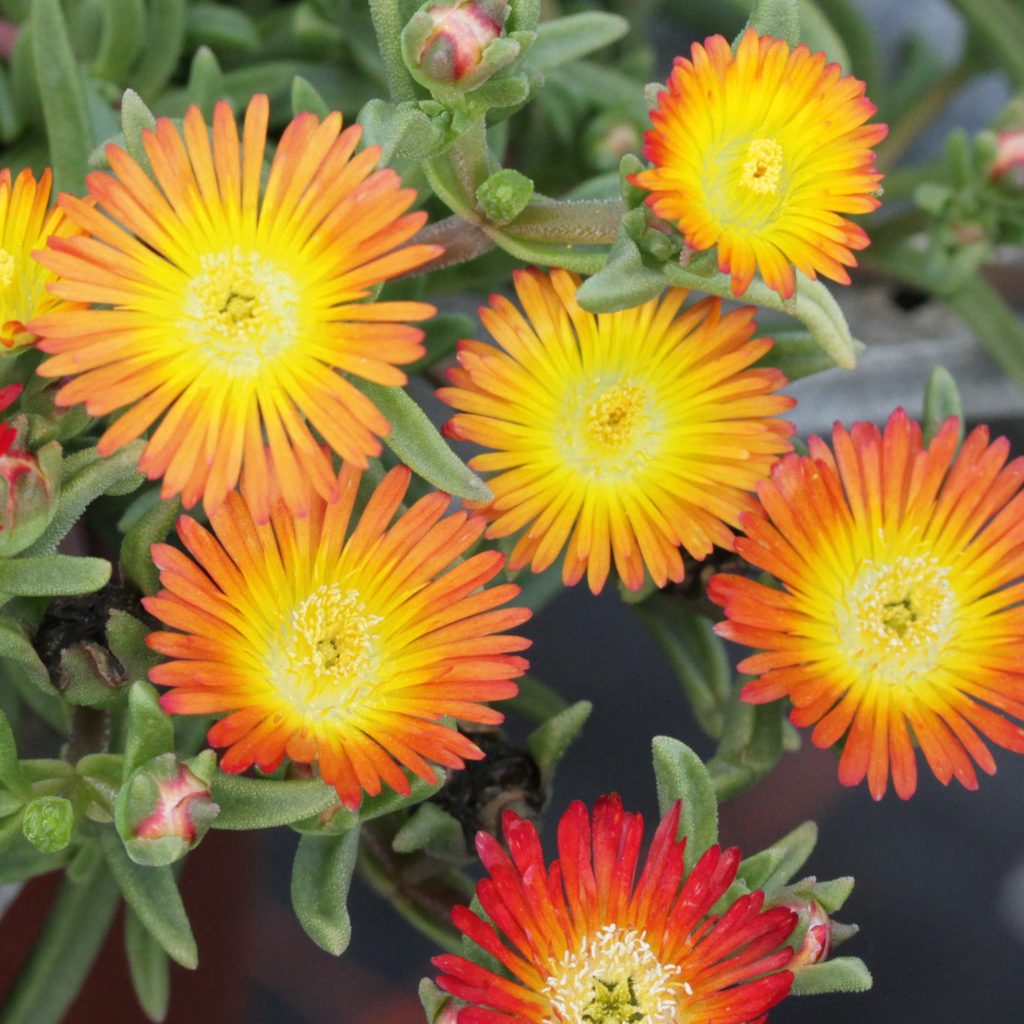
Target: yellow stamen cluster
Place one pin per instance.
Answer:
(615, 978)
(241, 311)
(897, 618)
(328, 655)
(762, 166)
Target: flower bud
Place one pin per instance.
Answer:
(29, 482)
(164, 809)
(813, 934)
(1008, 168)
(49, 823)
(458, 43)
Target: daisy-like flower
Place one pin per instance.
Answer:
(26, 222)
(762, 153)
(585, 942)
(899, 617)
(235, 311)
(345, 652)
(617, 437)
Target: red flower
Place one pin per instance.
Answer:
(584, 941)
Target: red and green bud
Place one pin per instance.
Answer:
(1008, 168)
(165, 809)
(813, 934)
(459, 43)
(29, 482)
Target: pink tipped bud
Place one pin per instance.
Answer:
(172, 815)
(816, 927)
(461, 33)
(1008, 167)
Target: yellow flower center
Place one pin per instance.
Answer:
(614, 978)
(897, 619)
(762, 166)
(242, 311)
(607, 430)
(7, 268)
(327, 660)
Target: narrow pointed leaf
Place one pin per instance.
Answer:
(150, 730)
(681, 775)
(418, 443)
(152, 893)
(549, 742)
(842, 974)
(941, 400)
(562, 40)
(321, 876)
(263, 803)
(148, 966)
(53, 575)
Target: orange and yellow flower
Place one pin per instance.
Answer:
(343, 652)
(899, 618)
(587, 941)
(233, 310)
(26, 222)
(762, 153)
(618, 437)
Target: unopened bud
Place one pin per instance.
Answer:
(1008, 168)
(164, 809)
(29, 482)
(813, 933)
(458, 42)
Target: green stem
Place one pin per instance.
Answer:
(812, 304)
(64, 954)
(462, 242)
(931, 102)
(569, 221)
(388, 24)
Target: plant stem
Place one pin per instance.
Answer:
(569, 221)
(388, 24)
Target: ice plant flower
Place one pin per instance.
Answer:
(762, 153)
(343, 652)
(585, 942)
(618, 436)
(899, 615)
(235, 310)
(26, 222)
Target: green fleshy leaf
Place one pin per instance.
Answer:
(797, 354)
(433, 1000)
(122, 39)
(777, 18)
(418, 443)
(941, 400)
(53, 575)
(223, 29)
(681, 775)
(843, 974)
(626, 279)
(790, 855)
(431, 829)
(87, 476)
(305, 99)
(536, 700)
(696, 655)
(321, 876)
(15, 644)
(150, 731)
(10, 767)
(135, 561)
(21, 861)
(136, 118)
(402, 131)
(148, 966)
(165, 41)
(548, 743)
(832, 895)
(562, 40)
(206, 82)
(63, 955)
(68, 129)
(152, 893)
(11, 117)
(264, 803)
(126, 637)
(750, 747)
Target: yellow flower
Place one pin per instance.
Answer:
(618, 437)
(761, 154)
(343, 652)
(26, 221)
(235, 311)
